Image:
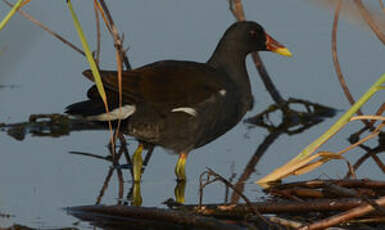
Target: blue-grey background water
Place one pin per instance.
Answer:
(38, 177)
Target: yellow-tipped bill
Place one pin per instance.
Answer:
(283, 51)
(276, 47)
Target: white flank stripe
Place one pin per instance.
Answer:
(187, 110)
(118, 113)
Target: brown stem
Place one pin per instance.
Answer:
(118, 43)
(248, 202)
(345, 216)
(336, 62)
(45, 28)
(142, 216)
(381, 5)
(380, 111)
(369, 20)
(273, 91)
(97, 19)
(120, 53)
(227, 183)
(120, 67)
(355, 183)
(239, 211)
(370, 153)
(236, 8)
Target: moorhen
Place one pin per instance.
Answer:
(183, 105)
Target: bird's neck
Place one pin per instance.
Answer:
(231, 60)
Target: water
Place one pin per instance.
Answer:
(38, 176)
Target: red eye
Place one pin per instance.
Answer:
(253, 33)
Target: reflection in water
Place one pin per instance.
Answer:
(22, 227)
(48, 125)
(251, 165)
(370, 152)
(179, 191)
(126, 217)
(134, 196)
(293, 122)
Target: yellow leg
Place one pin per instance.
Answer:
(180, 170)
(137, 162)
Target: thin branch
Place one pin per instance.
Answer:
(103, 16)
(48, 30)
(370, 136)
(97, 19)
(381, 5)
(273, 91)
(370, 21)
(291, 224)
(336, 62)
(236, 8)
(120, 67)
(239, 211)
(160, 218)
(345, 216)
(317, 183)
(217, 177)
(349, 192)
(248, 202)
(118, 42)
(120, 54)
(380, 111)
(360, 161)
(368, 117)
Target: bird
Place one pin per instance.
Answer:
(182, 105)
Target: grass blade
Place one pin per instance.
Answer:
(10, 14)
(87, 51)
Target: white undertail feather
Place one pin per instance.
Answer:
(187, 110)
(118, 113)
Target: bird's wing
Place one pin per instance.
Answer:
(166, 83)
